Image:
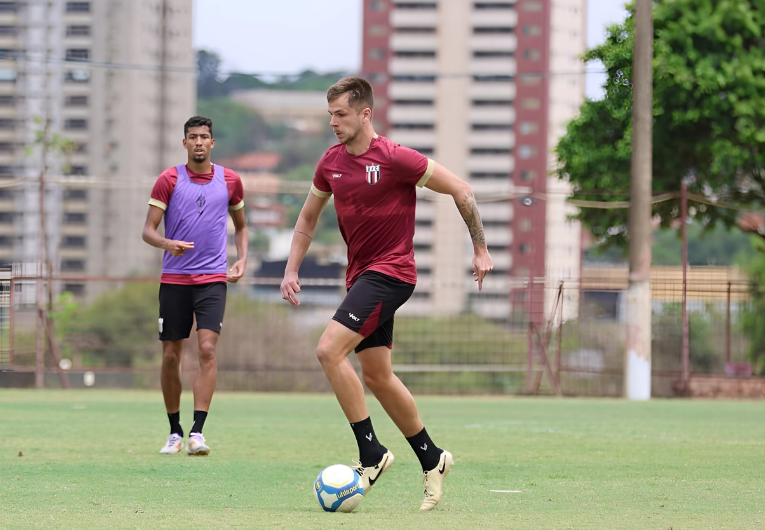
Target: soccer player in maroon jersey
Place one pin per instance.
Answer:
(195, 200)
(373, 180)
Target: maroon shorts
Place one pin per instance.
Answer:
(369, 307)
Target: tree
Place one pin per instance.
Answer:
(709, 116)
(237, 129)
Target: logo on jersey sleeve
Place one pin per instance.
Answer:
(373, 174)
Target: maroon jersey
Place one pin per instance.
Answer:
(375, 202)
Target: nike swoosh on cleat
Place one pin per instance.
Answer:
(382, 466)
(443, 468)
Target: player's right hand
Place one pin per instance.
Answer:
(290, 288)
(178, 248)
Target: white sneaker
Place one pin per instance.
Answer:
(196, 445)
(174, 445)
(434, 481)
(369, 475)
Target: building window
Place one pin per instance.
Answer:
(75, 124)
(493, 5)
(7, 171)
(78, 7)
(75, 218)
(525, 225)
(492, 102)
(77, 76)
(416, 5)
(377, 5)
(532, 30)
(7, 101)
(528, 175)
(527, 151)
(7, 217)
(5, 242)
(531, 54)
(7, 124)
(377, 54)
(7, 147)
(72, 265)
(492, 78)
(492, 30)
(528, 127)
(78, 54)
(377, 30)
(413, 126)
(9, 31)
(414, 78)
(532, 6)
(77, 170)
(531, 80)
(73, 242)
(76, 194)
(414, 102)
(524, 248)
(482, 55)
(489, 151)
(415, 30)
(6, 7)
(76, 101)
(77, 289)
(415, 54)
(78, 31)
(481, 176)
(492, 127)
(530, 103)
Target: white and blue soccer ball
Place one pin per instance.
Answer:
(338, 489)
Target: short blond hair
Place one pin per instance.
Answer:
(360, 94)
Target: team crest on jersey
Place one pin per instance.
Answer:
(373, 174)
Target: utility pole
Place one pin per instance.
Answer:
(637, 362)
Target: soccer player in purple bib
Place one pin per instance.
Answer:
(373, 180)
(195, 200)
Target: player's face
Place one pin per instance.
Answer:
(346, 121)
(198, 143)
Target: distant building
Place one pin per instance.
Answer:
(486, 88)
(299, 109)
(259, 162)
(118, 78)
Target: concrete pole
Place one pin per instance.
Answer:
(686, 353)
(637, 365)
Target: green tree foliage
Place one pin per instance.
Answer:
(709, 115)
(753, 315)
(237, 129)
(718, 246)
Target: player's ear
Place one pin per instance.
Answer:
(184, 144)
(212, 143)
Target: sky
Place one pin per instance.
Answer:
(288, 36)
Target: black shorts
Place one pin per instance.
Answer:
(179, 304)
(369, 306)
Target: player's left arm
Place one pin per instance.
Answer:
(241, 234)
(444, 181)
(242, 239)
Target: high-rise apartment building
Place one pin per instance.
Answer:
(118, 78)
(486, 89)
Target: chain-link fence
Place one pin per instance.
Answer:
(561, 336)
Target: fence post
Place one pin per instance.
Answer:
(10, 322)
(686, 331)
(727, 329)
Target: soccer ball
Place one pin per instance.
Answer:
(338, 489)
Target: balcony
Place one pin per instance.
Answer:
(494, 18)
(493, 90)
(492, 66)
(411, 90)
(490, 164)
(414, 43)
(413, 66)
(499, 236)
(413, 138)
(405, 18)
(496, 211)
(491, 139)
(423, 236)
(494, 309)
(499, 42)
(493, 187)
(405, 114)
(491, 115)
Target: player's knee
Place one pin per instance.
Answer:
(326, 354)
(376, 380)
(171, 357)
(207, 352)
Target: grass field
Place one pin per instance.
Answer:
(90, 461)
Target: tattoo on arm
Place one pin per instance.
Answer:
(306, 235)
(469, 211)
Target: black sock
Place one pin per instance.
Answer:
(370, 449)
(175, 423)
(199, 421)
(425, 450)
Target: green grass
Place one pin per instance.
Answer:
(90, 461)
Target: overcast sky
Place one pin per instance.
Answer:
(288, 36)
